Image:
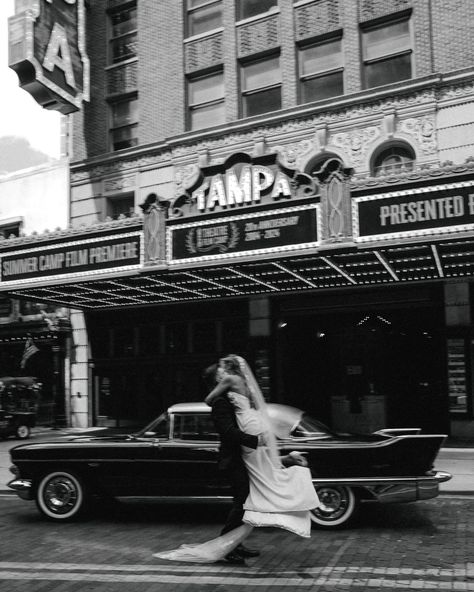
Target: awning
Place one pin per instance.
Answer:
(347, 267)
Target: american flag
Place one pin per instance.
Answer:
(30, 350)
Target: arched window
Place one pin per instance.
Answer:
(393, 160)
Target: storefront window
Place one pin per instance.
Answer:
(176, 338)
(123, 342)
(150, 340)
(204, 337)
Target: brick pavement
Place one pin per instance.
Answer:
(425, 545)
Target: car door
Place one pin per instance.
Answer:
(186, 463)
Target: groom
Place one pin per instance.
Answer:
(230, 460)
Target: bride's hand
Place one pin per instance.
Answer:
(298, 458)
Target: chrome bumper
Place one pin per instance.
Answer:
(394, 489)
(22, 487)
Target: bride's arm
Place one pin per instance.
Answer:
(220, 389)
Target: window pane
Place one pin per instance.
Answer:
(124, 113)
(248, 8)
(322, 87)
(207, 116)
(206, 89)
(262, 102)
(124, 48)
(388, 71)
(386, 40)
(124, 137)
(262, 73)
(121, 205)
(124, 22)
(205, 19)
(320, 58)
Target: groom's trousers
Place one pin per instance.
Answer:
(239, 481)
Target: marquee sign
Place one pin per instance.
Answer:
(47, 49)
(242, 181)
(72, 259)
(269, 232)
(416, 212)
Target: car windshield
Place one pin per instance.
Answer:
(308, 427)
(158, 428)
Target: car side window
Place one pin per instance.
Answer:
(194, 427)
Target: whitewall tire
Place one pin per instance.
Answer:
(338, 506)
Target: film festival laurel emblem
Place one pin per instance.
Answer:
(220, 238)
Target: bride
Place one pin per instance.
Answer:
(278, 496)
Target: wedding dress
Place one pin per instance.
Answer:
(278, 496)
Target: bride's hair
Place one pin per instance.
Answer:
(232, 364)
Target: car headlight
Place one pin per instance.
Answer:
(15, 470)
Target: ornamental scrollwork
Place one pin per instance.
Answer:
(423, 130)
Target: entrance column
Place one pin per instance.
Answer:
(260, 328)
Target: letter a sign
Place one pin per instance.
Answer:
(47, 49)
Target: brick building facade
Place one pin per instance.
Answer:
(383, 88)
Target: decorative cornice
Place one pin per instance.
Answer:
(425, 173)
(341, 111)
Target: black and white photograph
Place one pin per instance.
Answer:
(236, 313)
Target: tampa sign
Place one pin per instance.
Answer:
(239, 182)
(47, 49)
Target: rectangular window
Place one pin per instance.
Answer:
(124, 124)
(261, 86)
(249, 8)
(206, 101)
(321, 71)
(123, 35)
(203, 16)
(120, 205)
(387, 54)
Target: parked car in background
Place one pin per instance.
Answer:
(19, 398)
(176, 456)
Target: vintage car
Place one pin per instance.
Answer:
(18, 406)
(176, 456)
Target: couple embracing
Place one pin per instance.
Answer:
(268, 489)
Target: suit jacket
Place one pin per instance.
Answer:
(230, 454)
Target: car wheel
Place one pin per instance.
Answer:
(338, 506)
(22, 431)
(61, 495)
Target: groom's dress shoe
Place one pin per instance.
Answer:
(234, 558)
(246, 552)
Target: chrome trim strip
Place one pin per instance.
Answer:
(438, 477)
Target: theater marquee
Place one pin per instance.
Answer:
(438, 209)
(275, 231)
(74, 259)
(47, 49)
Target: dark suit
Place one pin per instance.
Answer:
(230, 457)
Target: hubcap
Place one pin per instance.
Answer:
(22, 431)
(334, 503)
(60, 495)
